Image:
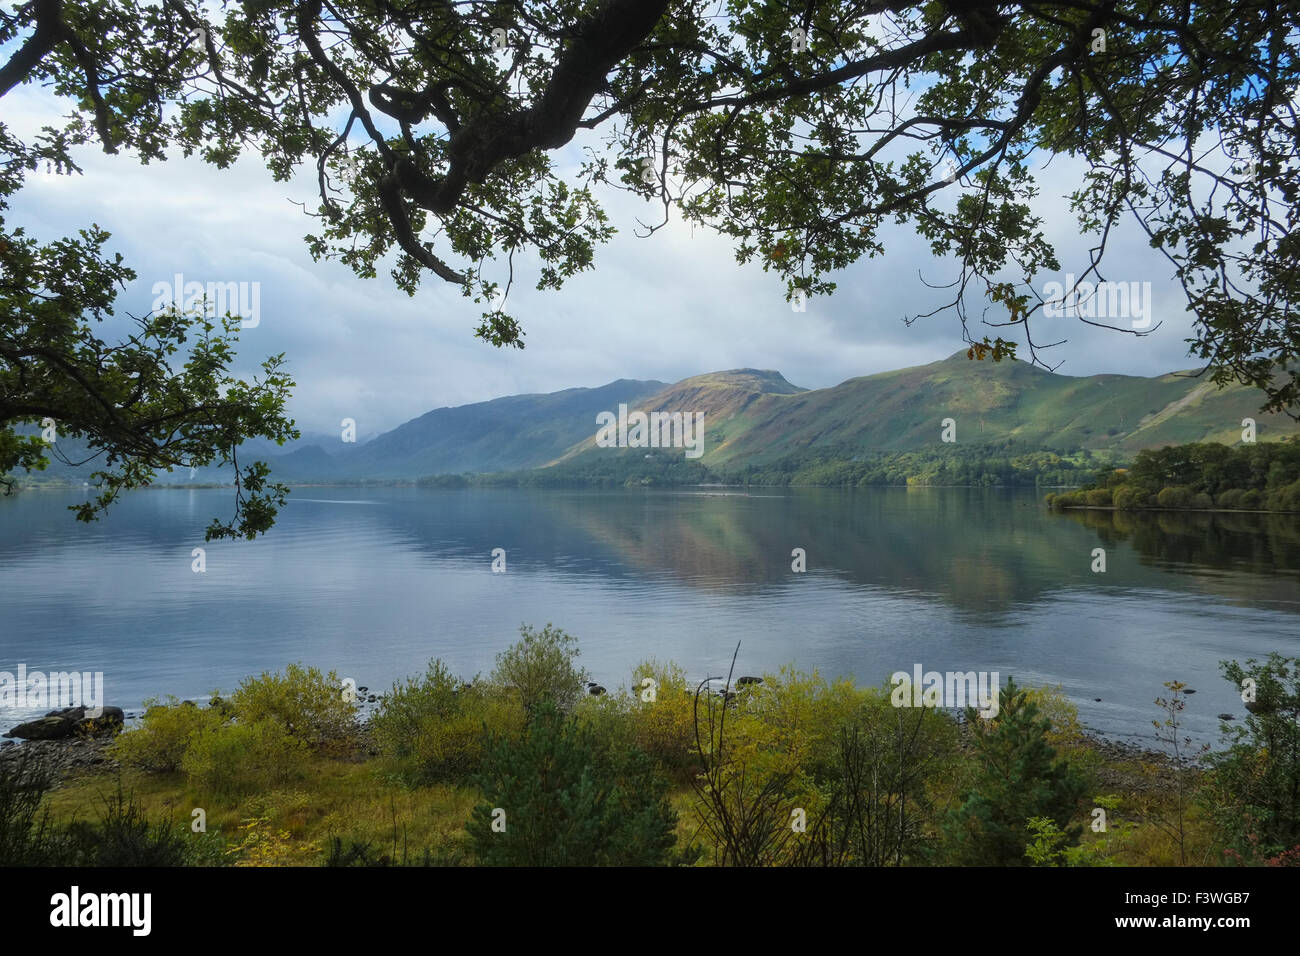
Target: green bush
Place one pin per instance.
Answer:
(1286, 498)
(1179, 496)
(1098, 497)
(1230, 499)
(541, 665)
(569, 801)
(886, 782)
(664, 727)
(1127, 497)
(158, 745)
(436, 727)
(241, 758)
(402, 712)
(309, 705)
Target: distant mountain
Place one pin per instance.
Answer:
(989, 402)
(755, 416)
(504, 434)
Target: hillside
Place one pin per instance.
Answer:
(903, 410)
(754, 417)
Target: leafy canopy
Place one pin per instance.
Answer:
(798, 130)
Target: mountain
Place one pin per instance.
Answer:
(504, 434)
(989, 402)
(754, 416)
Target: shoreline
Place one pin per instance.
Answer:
(1203, 511)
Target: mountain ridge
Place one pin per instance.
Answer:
(756, 416)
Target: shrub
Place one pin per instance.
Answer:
(1231, 498)
(541, 665)
(1064, 731)
(158, 745)
(1201, 501)
(1127, 497)
(240, 758)
(1286, 498)
(401, 713)
(1179, 496)
(454, 746)
(882, 786)
(436, 727)
(568, 801)
(309, 705)
(791, 721)
(664, 728)
(1098, 497)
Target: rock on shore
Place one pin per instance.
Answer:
(69, 722)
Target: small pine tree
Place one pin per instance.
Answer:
(1019, 779)
(556, 797)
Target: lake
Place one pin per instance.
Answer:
(373, 582)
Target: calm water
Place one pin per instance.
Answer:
(373, 583)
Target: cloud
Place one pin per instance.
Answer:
(666, 307)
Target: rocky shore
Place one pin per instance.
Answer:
(65, 757)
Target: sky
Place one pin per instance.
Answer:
(666, 307)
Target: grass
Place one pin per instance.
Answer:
(337, 798)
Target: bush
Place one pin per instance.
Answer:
(402, 712)
(158, 745)
(568, 801)
(1176, 497)
(436, 727)
(1286, 498)
(241, 758)
(1201, 501)
(664, 728)
(453, 747)
(541, 665)
(885, 785)
(1127, 497)
(309, 705)
(1064, 731)
(1098, 497)
(792, 721)
(1231, 499)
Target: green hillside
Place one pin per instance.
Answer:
(751, 420)
(758, 424)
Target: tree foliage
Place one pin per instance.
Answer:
(1020, 778)
(1199, 475)
(437, 133)
(557, 797)
(1255, 791)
